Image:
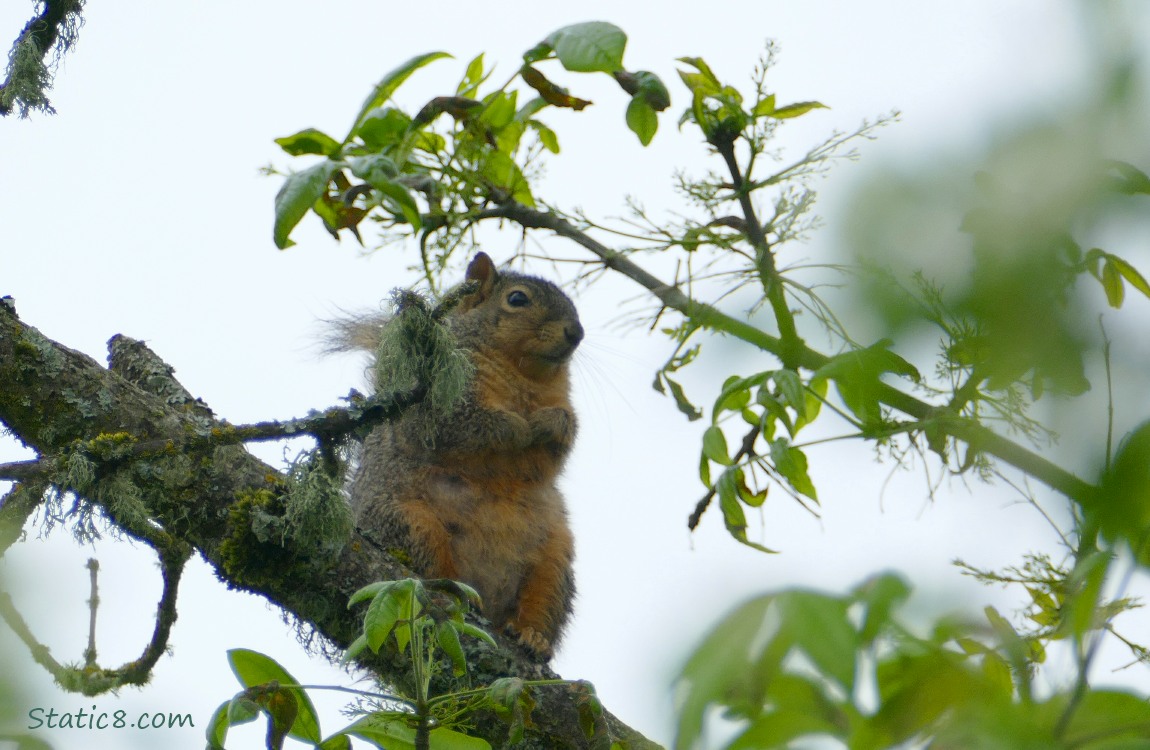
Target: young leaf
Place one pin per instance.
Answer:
(253, 669)
(703, 83)
(642, 120)
(707, 677)
(733, 516)
(794, 110)
(881, 594)
(791, 389)
(469, 629)
(335, 742)
(298, 194)
(820, 626)
(502, 172)
(384, 729)
(383, 127)
(715, 446)
(448, 638)
(310, 141)
(373, 168)
(546, 135)
(403, 200)
(1112, 283)
(382, 614)
(594, 46)
(791, 463)
(217, 730)
(1130, 273)
(389, 83)
(472, 77)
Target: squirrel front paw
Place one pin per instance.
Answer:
(552, 424)
(509, 430)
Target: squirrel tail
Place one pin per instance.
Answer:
(353, 333)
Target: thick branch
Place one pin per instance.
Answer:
(977, 436)
(54, 396)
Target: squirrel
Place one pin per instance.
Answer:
(474, 499)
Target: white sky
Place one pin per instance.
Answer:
(138, 210)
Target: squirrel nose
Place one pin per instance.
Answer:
(573, 333)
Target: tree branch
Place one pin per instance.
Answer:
(27, 75)
(977, 436)
(208, 497)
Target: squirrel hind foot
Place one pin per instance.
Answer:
(540, 648)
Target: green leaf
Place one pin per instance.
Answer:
(297, 195)
(472, 77)
(794, 110)
(820, 626)
(1108, 717)
(1112, 283)
(389, 83)
(791, 463)
(499, 109)
(443, 738)
(642, 120)
(706, 678)
(1129, 180)
(594, 46)
(471, 630)
(217, 730)
(513, 702)
(792, 390)
(748, 496)
(715, 446)
(448, 638)
(704, 470)
(389, 605)
(681, 401)
(502, 172)
(857, 376)
(703, 83)
(355, 649)
(335, 742)
(1130, 273)
(391, 730)
(401, 196)
(253, 668)
(765, 106)
(881, 594)
(1122, 508)
(373, 168)
(778, 728)
(310, 141)
(736, 393)
(546, 135)
(383, 127)
(368, 592)
(728, 490)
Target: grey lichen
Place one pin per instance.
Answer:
(417, 348)
(317, 518)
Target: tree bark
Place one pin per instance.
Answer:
(192, 484)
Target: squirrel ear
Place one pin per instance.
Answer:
(482, 269)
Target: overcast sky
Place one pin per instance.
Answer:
(139, 209)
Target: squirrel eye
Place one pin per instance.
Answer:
(518, 298)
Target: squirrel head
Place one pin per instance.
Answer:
(527, 320)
